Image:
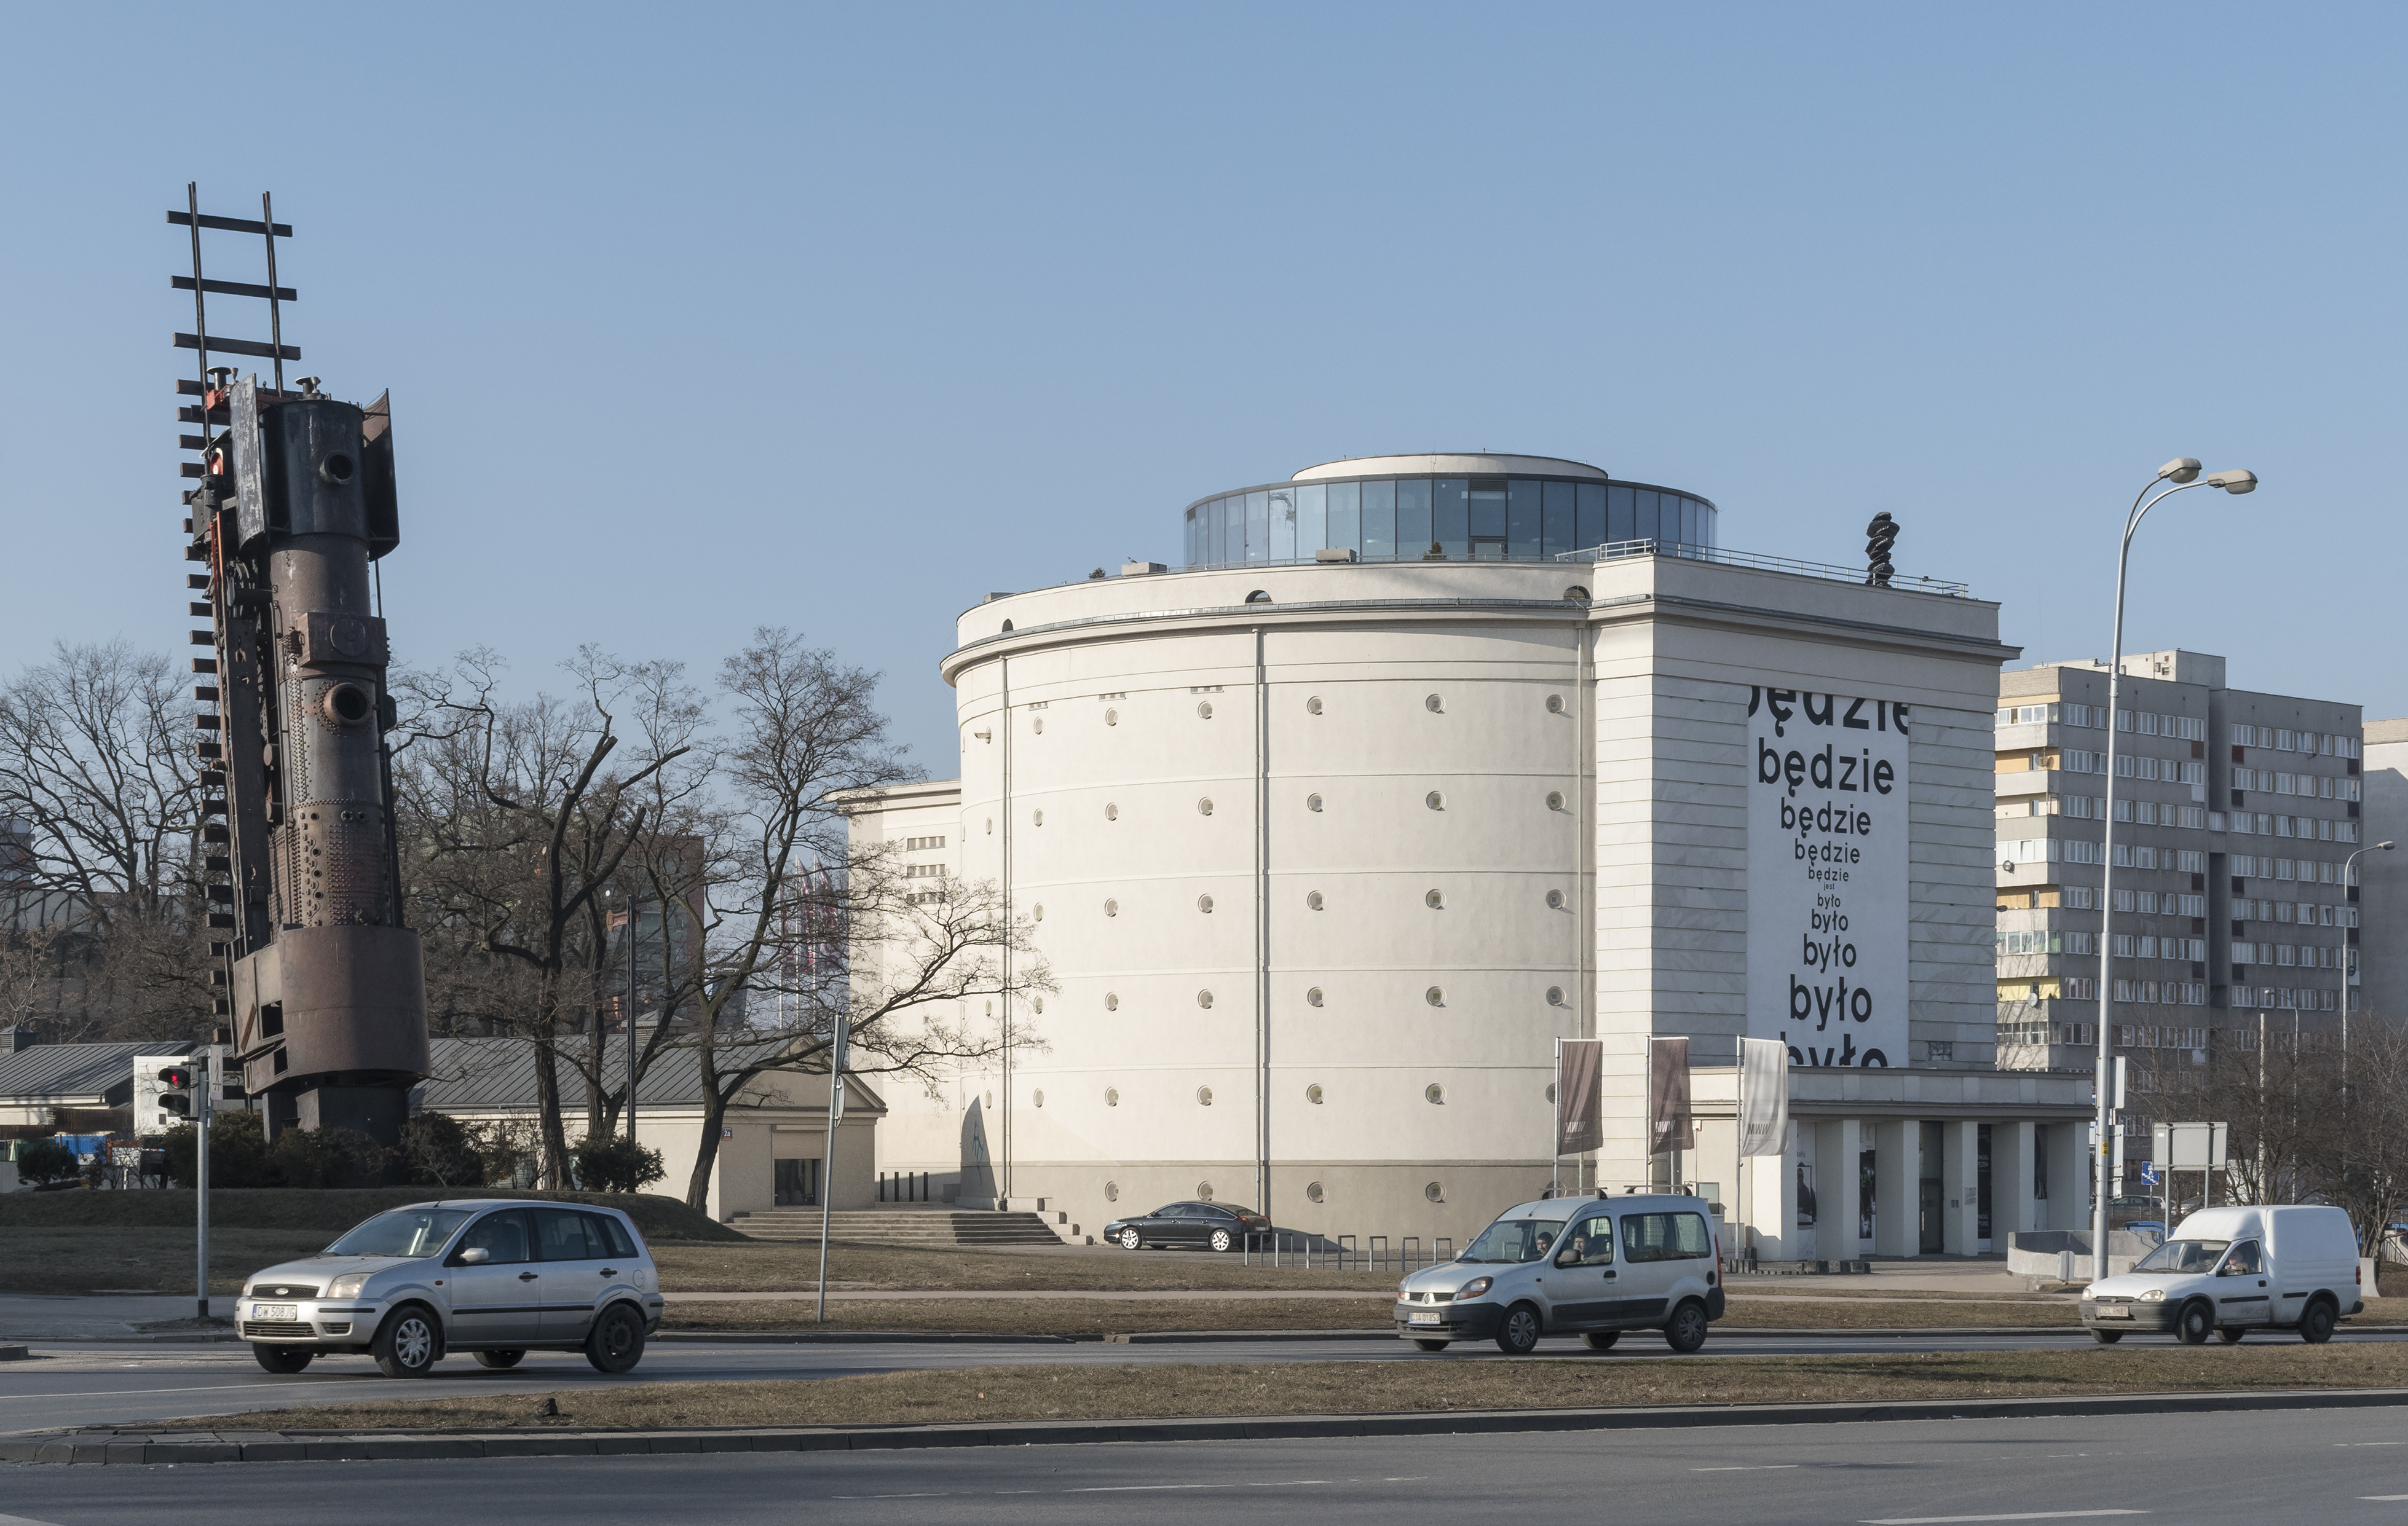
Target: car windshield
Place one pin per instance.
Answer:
(404, 1232)
(2183, 1256)
(1514, 1240)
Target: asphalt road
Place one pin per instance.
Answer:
(95, 1384)
(2339, 1466)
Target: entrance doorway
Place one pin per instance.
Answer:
(1927, 1218)
(798, 1184)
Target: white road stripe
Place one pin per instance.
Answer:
(1751, 1467)
(2384, 1496)
(24, 1521)
(2023, 1515)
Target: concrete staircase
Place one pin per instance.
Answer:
(933, 1225)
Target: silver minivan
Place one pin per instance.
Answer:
(1591, 1266)
(490, 1276)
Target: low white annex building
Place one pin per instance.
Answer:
(1430, 762)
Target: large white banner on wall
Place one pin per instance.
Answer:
(1827, 876)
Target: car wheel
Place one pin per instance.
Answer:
(1517, 1333)
(1601, 1340)
(1431, 1345)
(1223, 1239)
(499, 1360)
(2106, 1337)
(2230, 1334)
(407, 1343)
(2194, 1324)
(282, 1359)
(616, 1342)
(1131, 1240)
(2317, 1324)
(1686, 1330)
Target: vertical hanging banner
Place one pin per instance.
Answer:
(1763, 1097)
(1580, 1095)
(1827, 877)
(1667, 1095)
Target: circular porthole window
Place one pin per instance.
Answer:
(1312, 803)
(1112, 1001)
(1111, 812)
(1039, 1003)
(1555, 703)
(1435, 801)
(1112, 1096)
(1313, 1192)
(1037, 912)
(1554, 799)
(1313, 997)
(1037, 819)
(1204, 903)
(1313, 705)
(1550, 1090)
(1038, 726)
(1111, 718)
(1312, 900)
(1435, 1191)
(1435, 996)
(1204, 711)
(1204, 999)
(1576, 593)
(1006, 627)
(1554, 900)
(1435, 901)
(1434, 1095)
(1111, 908)
(1204, 1191)
(1258, 596)
(1038, 1096)
(1112, 1191)
(1555, 995)
(1204, 806)
(1313, 1094)
(1203, 1096)
(1433, 704)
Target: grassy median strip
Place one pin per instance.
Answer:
(1079, 1319)
(1355, 1388)
(777, 1266)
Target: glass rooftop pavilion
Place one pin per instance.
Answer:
(1470, 507)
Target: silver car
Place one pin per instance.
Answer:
(492, 1277)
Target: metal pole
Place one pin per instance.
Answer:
(2098, 1165)
(631, 1007)
(275, 310)
(1555, 1187)
(207, 1080)
(1003, 1125)
(827, 1154)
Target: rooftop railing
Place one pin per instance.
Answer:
(1616, 550)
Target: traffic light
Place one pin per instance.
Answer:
(179, 1091)
(1880, 535)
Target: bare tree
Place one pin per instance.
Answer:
(806, 738)
(100, 790)
(515, 823)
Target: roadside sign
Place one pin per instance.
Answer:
(128, 1155)
(2149, 1173)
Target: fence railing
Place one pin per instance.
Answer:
(903, 1187)
(1616, 550)
(1312, 1252)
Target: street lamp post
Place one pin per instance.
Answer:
(2349, 867)
(2185, 474)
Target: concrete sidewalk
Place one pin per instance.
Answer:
(95, 1316)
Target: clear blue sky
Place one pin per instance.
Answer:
(702, 318)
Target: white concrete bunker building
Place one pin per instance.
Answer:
(1328, 838)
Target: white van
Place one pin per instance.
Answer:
(2228, 1271)
(1592, 1266)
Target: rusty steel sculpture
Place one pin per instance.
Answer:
(293, 507)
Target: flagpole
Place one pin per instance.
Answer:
(1555, 1188)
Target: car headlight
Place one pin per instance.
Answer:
(2155, 1295)
(1405, 1289)
(1473, 1288)
(347, 1287)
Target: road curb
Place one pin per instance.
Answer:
(120, 1449)
(845, 1337)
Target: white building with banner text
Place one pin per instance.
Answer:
(1423, 763)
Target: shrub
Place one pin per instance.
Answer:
(237, 1152)
(45, 1160)
(328, 1158)
(438, 1152)
(615, 1164)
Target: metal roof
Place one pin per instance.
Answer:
(77, 1075)
(478, 1074)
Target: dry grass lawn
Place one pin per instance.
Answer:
(84, 1259)
(1080, 1318)
(779, 1266)
(1124, 1392)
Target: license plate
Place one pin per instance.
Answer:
(1425, 1317)
(2112, 1314)
(276, 1311)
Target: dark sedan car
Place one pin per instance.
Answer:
(1210, 1225)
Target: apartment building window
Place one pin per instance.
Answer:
(2040, 942)
(2123, 950)
(2025, 715)
(2075, 761)
(922, 845)
(2193, 818)
(2191, 905)
(2080, 898)
(2081, 988)
(2082, 943)
(2191, 773)
(923, 870)
(2124, 900)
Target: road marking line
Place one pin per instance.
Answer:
(24, 1521)
(2023, 1515)
(1751, 1467)
(2384, 1496)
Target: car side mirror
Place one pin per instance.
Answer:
(1566, 1258)
(475, 1256)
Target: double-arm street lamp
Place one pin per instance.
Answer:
(2185, 474)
